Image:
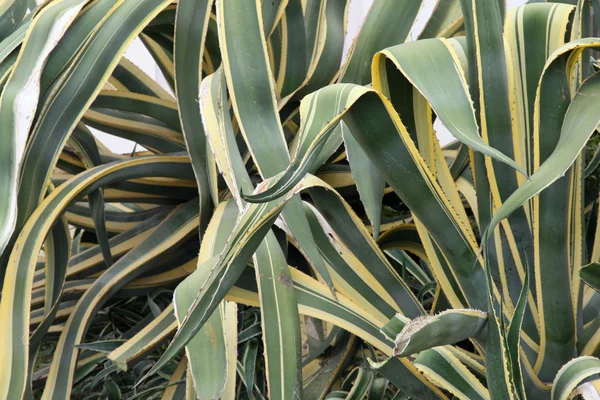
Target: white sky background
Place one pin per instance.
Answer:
(138, 54)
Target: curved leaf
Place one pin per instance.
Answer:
(448, 327)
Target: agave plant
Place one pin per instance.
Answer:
(293, 229)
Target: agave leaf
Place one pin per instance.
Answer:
(57, 249)
(190, 34)
(397, 373)
(396, 21)
(448, 327)
(227, 268)
(12, 13)
(207, 351)
(489, 87)
(251, 228)
(84, 263)
(446, 371)
(160, 48)
(347, 233)
(511, 88)
(572, 374)
(130, 77)
(325, 27)
(575, 131)
(176, 388)
(85, 25)
(249, 363)
(85, 146)
(161, 110)
(256, 109)
(370, 40)
(21, 266)
(231, 344)
(513, 338)
(317, 139)
(220, 273)
(527, 62)
(279, 310)
(70, 98)
(369, 183)
(20, 96)
(149, 133)
(293, 59)
(405, 237)
(590, 274)
(104, 346)
(315, 300)
(499, 366)
(318, 375)
(14, 40)
(445, 21)
(182, 222)
(553, 216)
(350, 276)
(593, 164)
(277, 297)
(23, 84)
(366, 111)
(358, 383)
(272, 12)
(577, 127)
(145, 340)
(444, 87)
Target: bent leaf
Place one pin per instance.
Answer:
(448, 327)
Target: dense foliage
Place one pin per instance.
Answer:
(290, 228)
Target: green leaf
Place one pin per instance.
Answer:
(105, 346)
(499, 367)
(190, 34)
(387, 24)
(513, 338)
(145, 340)
(85, 146)
(400, 376)
(578, 126)
(280, 320)
(174, 230)
(590, 274)
(70, 96)
(20, 97)
(448, 327)
(446, 20)
(358, 383)
(572, 375)
(243, 47)
(368, 181)
(446, 371)
(207, 352)
(12, 13)
(372, 121)
(442, 83)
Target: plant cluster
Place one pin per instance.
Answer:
(289, 228)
